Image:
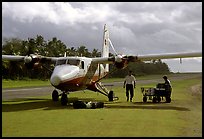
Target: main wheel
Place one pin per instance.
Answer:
(168, 99)
(64, 99)
(144, 99)
(110, 96)
(55, 96)
(154, 100)
(158, 99)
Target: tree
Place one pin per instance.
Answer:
(41, 45)
(95, 53)
(12, 46)
(83, 51)
(55, 47)
(71, 51)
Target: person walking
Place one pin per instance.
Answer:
(129, 83)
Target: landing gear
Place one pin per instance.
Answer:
(103, 90)
(144, 99)
(110, 96)
(168, 99)
(64, 98)
(55, 95)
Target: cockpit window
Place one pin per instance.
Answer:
(61, 62)
(73, 62)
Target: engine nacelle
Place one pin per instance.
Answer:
(118, 58)
(27, 59)
(32, 61)
(121, 61)
(122, 64)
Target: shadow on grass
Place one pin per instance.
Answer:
(22, 104)
(47, 104)
(149, 105)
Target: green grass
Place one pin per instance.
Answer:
(23, 83)
(35, 82)
(39, 116)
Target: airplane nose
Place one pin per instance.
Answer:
(63, 73)
(55, 80)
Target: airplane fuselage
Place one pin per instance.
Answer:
(75, 73)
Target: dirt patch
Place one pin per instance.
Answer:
(196, 90)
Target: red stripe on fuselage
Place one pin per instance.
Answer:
(75, 84)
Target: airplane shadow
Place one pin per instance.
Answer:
(47, 104)
(22, 104)
(29, 104)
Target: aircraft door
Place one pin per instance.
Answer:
(82, 67)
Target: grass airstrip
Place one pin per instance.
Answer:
(41, 117)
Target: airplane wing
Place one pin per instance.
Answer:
(118, 60)
(121, 60)
(168, 56)
(30, 58)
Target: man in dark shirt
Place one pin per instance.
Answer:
(167, 85)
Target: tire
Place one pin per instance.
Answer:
(168, 99)
(55, 96)
(144, 99)
(64, 99)
(110, 96)
(154, 100)
(158, 99)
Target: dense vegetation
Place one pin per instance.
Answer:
(56, 48)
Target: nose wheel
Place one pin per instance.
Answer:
(64, 98)
(55, 95)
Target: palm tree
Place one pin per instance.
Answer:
(83, 51)
(95, 53)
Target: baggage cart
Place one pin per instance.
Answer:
(157, 93)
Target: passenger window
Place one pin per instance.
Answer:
(82, 64)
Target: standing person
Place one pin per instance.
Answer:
(129, 83)
(167, 84)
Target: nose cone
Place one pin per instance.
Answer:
(63, 73)
(55, 80)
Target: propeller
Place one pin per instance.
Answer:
(121, 61)
(33, 60)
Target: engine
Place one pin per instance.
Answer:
(121, 65)
(121, 61)
(32, 61)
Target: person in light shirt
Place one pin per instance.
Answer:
(129, 83)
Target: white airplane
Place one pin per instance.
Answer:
(79, 73)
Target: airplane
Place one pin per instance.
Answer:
(75, 73)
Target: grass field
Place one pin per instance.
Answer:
(39, 116)
(35, 82)
(23, 83)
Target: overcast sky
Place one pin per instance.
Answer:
(136, 28)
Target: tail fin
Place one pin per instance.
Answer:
(105, 50)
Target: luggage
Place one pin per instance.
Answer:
(87, 105)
